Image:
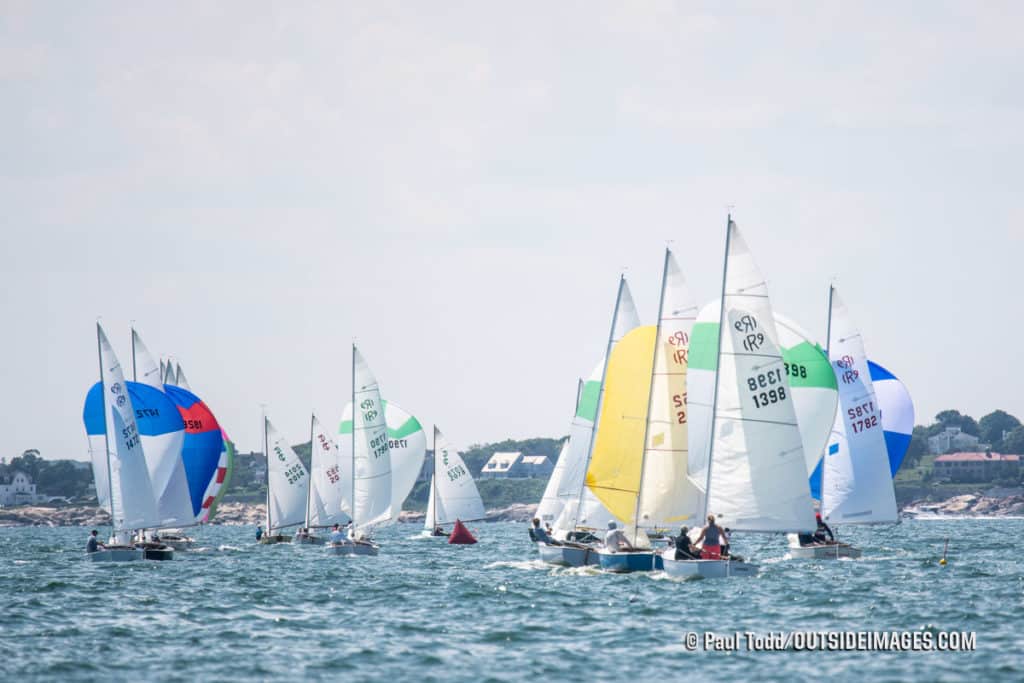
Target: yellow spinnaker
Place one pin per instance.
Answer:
(614, 472)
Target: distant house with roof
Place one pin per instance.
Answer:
(952, 438)
(976, 466)
(17, 489)
(516, 465)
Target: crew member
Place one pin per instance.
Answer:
(712, 536)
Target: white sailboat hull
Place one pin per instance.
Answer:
(357, 548)
(831, 551)
(119, 554)
(708, 569)
(568, 555)
(308, 539)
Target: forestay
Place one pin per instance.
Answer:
(453, 493)
(757, 478)
(287, 481)
(373, 501)
(857, 483)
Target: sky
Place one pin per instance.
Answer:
(456, 187)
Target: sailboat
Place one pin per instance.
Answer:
(582, 513)
(550, 506)
(753, 475)
(453, 493)
(121, 472)
(639, 464)
(324, 504)
(287, 483)
(370, 463)
(856, 479)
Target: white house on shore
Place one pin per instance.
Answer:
(17, 489)
(515, 465)
(952, 438)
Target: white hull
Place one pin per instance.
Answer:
(833, 551)
(308, 540)
(349, 548)
(179, 543)
(568, 556)
(122, 554)
(708, 569)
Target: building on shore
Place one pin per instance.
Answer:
(18, 489)
(976, 466)
(516, 465)
(953, 438)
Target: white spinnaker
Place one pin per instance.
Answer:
(453, 491)
(667, 496)
(550, 504)
(758, 475)
(581, 507)
(288, 482)
(146, 369)
(179, 379)
(373, 503)
(130, 491)
(856, 484)
(326, 482)
(407, 446)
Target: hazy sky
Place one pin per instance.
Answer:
(458, 185)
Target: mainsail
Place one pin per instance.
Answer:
(453, 493)
(756, 472)
(407, 444)
(372, 455)
(144, 368)
(287, 481)
(326, 483)
(132, 502)
(856, 483)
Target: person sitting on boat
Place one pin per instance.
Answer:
(726, 547)
(259, 533)
(539, 534)
(93, 544)
(712, 536)
(438, 531)
(823, 534)
(684, 547)
(336, 535)
(616, 539)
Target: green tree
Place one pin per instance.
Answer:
(1014, 442)
(28, 462)
(994, 424)
(954, 418)
(918, 447)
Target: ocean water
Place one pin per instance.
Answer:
(426, 611)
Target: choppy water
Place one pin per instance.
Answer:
(428, 611)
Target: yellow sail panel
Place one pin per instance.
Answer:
(614, 472)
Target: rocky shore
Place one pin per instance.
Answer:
(972, 504)
(227, 513)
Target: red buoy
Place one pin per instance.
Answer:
(460, 535)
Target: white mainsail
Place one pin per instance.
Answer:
(372, 456)
(856, 481)
(326, 482)
(130, 491)
(757, 475)
(581, 508)
(550, 505)
(407, 446)
(146, 370)
(168, 370)
(666, 495)
(287, 482)
(453, 493)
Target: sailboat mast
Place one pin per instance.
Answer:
(433, 523)
(718, 365)
(266, 473)
(600, 400)
(106, 433)
(828, 355)
(312, 454)
(135, 373)
(650, 395)
(354, 408)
